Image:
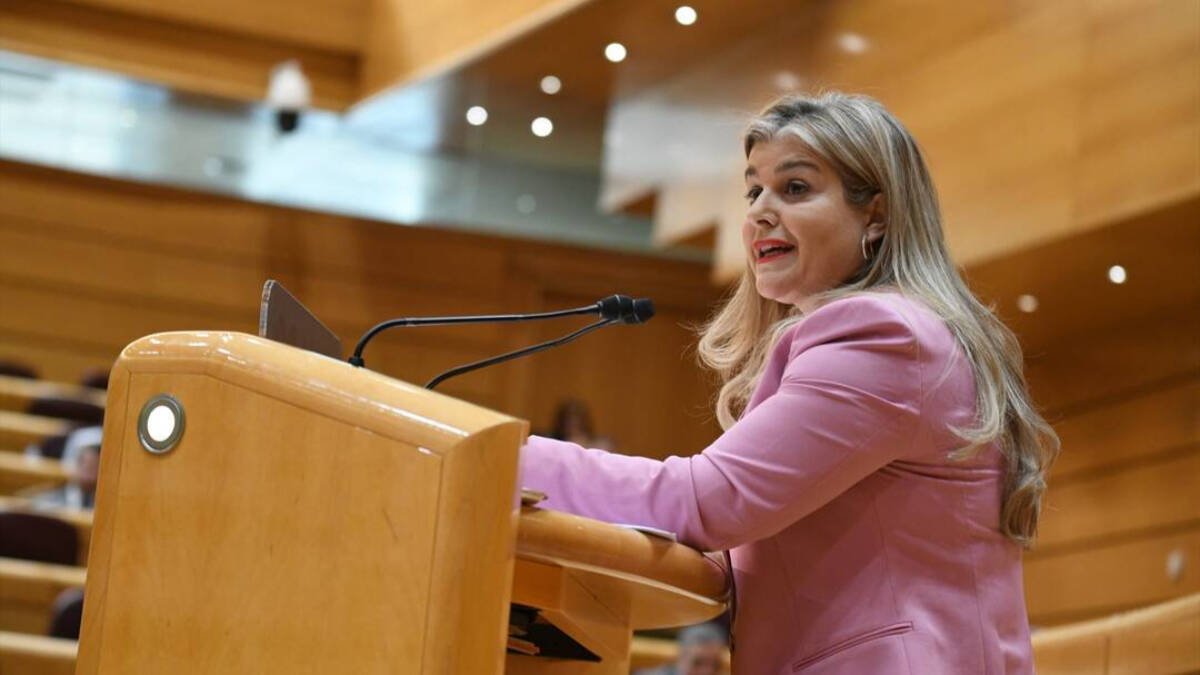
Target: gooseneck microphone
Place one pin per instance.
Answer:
(612, 310)
(624, 309)
(460, 370)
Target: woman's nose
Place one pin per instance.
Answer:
(761, 214)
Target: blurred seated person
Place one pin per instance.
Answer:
(95, 378)
(67, 614)
(17, 369)
(81, 460)
(701, 648)
(573, 423)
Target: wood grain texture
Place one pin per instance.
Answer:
(1128, 431)
(392, 507)
(18, 473)
(1156, 640)
(19, 429)
(671, 589)
(17, 393)
(1113, 131)
(1107, 578)
(59, 360)
(1118, 362)
(88, 265)
(1125, 495)
(407, 41)
(1074, 649)
(202, 57)
(665, 568)
(1156, 494)
(1160, 640)
(1076, 301)
(335, 25)
(28, 590)
(598, 621)
(36, 655)
(388, 527)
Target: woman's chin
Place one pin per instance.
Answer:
(776, 292)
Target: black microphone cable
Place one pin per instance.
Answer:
(616, 308)
(519, 352)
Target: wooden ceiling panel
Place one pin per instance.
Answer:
(1160, 252)
(188, 58)
(409, 41)
(1039, 120)
(335, 25)
(505, 76)
(1140, 113)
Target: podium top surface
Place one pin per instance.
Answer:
(671, 584)
(369, 399)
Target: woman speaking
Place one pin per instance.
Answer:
(882, 464)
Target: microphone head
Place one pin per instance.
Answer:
(625, 309)
(614, 307)
(642, 311)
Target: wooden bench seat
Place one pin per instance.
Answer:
(1161, 639)
(18, 393)
(81, 519)
(18, 472)
(28, 590)
(18, 429)
(23, 654)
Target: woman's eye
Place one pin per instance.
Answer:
(752, 194)
(796, 187)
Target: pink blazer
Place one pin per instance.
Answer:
(858, 546)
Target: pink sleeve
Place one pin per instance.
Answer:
(848, 403)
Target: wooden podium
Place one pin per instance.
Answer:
(263, 509)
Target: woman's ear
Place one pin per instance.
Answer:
(876, 218)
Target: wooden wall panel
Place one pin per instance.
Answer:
(87, 265)
(147, 275)
(55, 361)
(1134, 356)
(636, 416)
(193, 225)
(1111, 577)
(1124, 497)
(1129, 430)
(1154, 494)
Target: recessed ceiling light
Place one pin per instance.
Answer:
(853, 43)
(551, 84)
(615, 52)
(685, 15)
(786, 80)
(542, 127)
(477, 115)
(1116, 274)
(1027, 303)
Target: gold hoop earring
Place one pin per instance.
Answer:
(864, 248)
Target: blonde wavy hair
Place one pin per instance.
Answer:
(874, 154)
